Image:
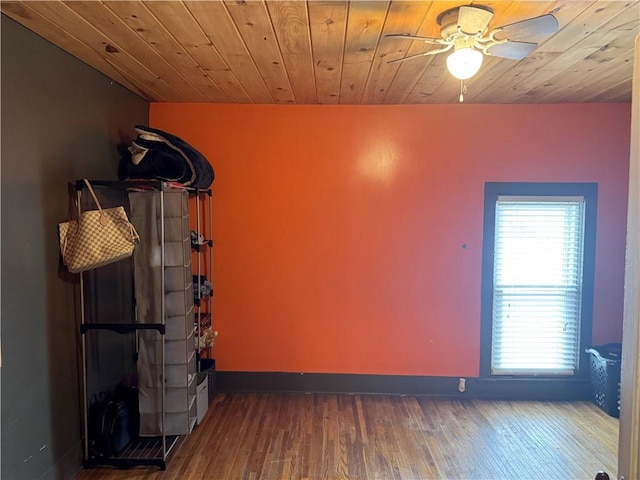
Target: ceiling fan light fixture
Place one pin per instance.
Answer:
(464, 63)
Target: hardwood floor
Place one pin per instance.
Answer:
(296, 436)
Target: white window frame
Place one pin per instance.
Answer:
(537, 285)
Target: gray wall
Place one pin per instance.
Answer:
(61, 120)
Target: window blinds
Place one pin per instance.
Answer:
(537, 285)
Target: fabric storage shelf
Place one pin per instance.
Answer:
(179, 326)
(175, 254)
(166, 364)
(177, 397)
(175, 205)
(175, 228)
(175, 421)
(179, 302)
(179, 351)
(180, 375)
(176, 279)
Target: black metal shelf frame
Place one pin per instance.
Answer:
(142, 451)
(198, 300)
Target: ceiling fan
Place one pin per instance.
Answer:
(464, 29)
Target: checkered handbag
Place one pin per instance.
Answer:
(97, 238)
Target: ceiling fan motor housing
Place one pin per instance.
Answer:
(448, 21)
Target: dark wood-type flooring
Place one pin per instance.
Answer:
(297, 436)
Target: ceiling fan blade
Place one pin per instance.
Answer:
(423, 54)
(472, 20)
(436, 41)
(532, 27)
(512, 50)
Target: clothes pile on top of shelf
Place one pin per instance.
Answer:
(156, 154)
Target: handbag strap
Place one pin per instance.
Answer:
(103, 218)
(72, 206)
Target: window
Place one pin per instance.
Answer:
(537, 277)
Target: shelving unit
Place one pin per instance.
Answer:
(202, 248)
(148, 301)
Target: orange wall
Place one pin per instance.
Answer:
(340, 230)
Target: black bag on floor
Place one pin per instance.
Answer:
(109, 430)
(128, 393)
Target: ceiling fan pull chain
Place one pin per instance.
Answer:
(463, 90)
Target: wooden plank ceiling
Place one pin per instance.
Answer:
(334, 51)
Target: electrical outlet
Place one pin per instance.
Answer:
(462, 385)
